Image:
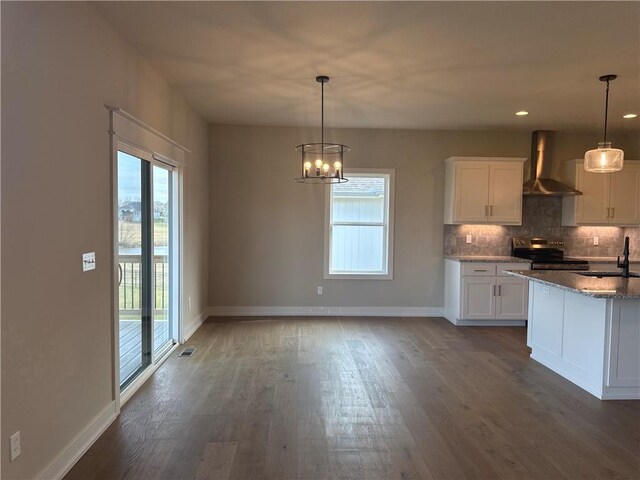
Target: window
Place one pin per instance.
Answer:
(359, 226)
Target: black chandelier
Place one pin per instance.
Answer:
(322, 162)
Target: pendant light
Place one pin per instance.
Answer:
(322, 162)
(604, 159)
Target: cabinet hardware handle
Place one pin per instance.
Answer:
(499, 290)
(613, 212)
(486, 210)
(479, 270)
(494, 290)
(491, 210)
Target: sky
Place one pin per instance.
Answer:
(129, 180)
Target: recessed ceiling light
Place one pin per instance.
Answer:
(630, 115)
(522, 113)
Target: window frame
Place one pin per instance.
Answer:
(389, 213)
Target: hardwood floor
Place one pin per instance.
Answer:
(363, 398)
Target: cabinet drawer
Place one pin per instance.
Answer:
(511, 266)
(479, 269)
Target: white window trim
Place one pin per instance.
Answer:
(390, 211)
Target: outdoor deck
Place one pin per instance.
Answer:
(131, 341)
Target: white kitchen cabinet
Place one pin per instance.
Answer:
(479, 293)
(484, 190)
(511, 298)
(607, 198)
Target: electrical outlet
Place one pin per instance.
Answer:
(469, 238)
(88, 261)
(596, 241)
(320, 290)
(14, 445)
(189, 303)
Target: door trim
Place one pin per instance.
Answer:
(138, 135)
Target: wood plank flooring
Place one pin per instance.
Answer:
(363, 398)
(131, 344)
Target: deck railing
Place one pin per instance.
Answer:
(129, 289)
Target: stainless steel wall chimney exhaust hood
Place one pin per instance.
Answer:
(541, 182)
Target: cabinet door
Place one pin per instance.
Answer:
(478, 300)
(471, 192)
(505, 193)
(624, 197)
(512, 299)
(593, 204)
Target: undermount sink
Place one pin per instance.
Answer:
(607, 274)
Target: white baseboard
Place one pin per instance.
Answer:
(67, 458)
(486, 323)
(195, 324)
(232, 311)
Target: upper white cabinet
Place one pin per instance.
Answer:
(483, 190)
(607, 198)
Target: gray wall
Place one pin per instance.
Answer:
(267, 230)
(60, 64)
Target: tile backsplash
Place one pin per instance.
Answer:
(541, 216)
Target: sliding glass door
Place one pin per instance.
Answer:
(162, 257)
(145, 270)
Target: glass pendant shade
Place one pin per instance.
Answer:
(604, 159)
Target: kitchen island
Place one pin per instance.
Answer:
(586, 329)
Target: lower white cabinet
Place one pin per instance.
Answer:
(481, 294)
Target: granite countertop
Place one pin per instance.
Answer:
(606, 287)
(604, 259)
(487, 258)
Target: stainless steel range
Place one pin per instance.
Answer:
(545, 254)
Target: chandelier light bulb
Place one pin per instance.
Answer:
(318, 163)
(325, 168)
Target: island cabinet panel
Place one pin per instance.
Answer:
(483, 190)
(480, 293)
(607, 198)
(624, 367)
(547, 307)
(593, 342)
(583, 335)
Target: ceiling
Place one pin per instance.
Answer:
(435, 65)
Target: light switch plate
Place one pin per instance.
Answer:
(320, 290)
(88, 261)
(469, 237)
(14, 444)
(596, 241)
